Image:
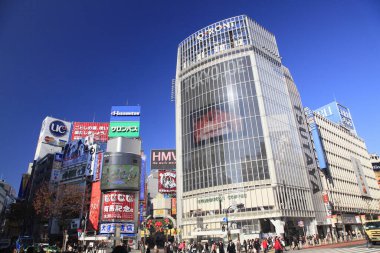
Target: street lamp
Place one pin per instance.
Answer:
(238, 206)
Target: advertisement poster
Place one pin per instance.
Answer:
(117, 176)
(345, 116)
(95, 206)
(98, 129)
(167, 181)
(75, 152)
(163, 159)
(212, 123)
(118, 206)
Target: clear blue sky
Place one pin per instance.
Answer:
(75, 59)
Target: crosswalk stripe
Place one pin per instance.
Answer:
(354, 249)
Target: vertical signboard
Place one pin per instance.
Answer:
(345, 115)
(118, 206)
(95, 206)
(163, 159)
(98, 166)
(142, 176)
(316, 139)
(174, 206)
(360, 177)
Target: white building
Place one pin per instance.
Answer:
(349, 179)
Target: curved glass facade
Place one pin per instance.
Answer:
(222, 132)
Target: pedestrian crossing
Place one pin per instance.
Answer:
(356, 249)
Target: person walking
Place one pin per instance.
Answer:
(221, 247)
(257, 245)
(231, 247)
(238, 246)
(264, 244)
(278, 248)
(213, 247)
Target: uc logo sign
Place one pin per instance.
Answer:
(58, 128)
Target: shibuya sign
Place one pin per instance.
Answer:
(215, 29)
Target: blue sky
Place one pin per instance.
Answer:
(75, 59)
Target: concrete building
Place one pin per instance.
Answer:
(349, 182)
(237, 137)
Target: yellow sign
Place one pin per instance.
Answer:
(159, 213)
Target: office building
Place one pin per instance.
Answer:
(237, 137)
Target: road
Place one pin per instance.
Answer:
(357, 249)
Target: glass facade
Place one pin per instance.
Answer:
(222, 132)
(237, 134)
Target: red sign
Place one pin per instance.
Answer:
(118, 206)
(98, 166)
(95, 206)
(167, 181)
(83, 129)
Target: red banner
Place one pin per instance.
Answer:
(95, 206)
(118, 206)
(167, 181)
(83, 129)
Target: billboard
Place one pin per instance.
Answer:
(345, 115)
(118, 206)
(212, 123)
(78, 170)
(163, 159)
(95, 206)
(109, 228)
(98, 129)
(53, 136)
(125, 113)
(121, 171)
(130, 129)
(75, 152)
(338, 114)
(167, 181)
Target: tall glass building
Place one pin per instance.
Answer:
(237, 137)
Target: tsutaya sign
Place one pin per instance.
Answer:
(307, 148)
(215, 29)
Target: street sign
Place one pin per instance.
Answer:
(225, 219)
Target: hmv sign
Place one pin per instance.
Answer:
(163, 159)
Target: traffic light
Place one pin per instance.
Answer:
(223, 228)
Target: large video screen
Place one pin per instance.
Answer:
(210, 124)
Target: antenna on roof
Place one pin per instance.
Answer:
(93, 118)
(126, 102)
